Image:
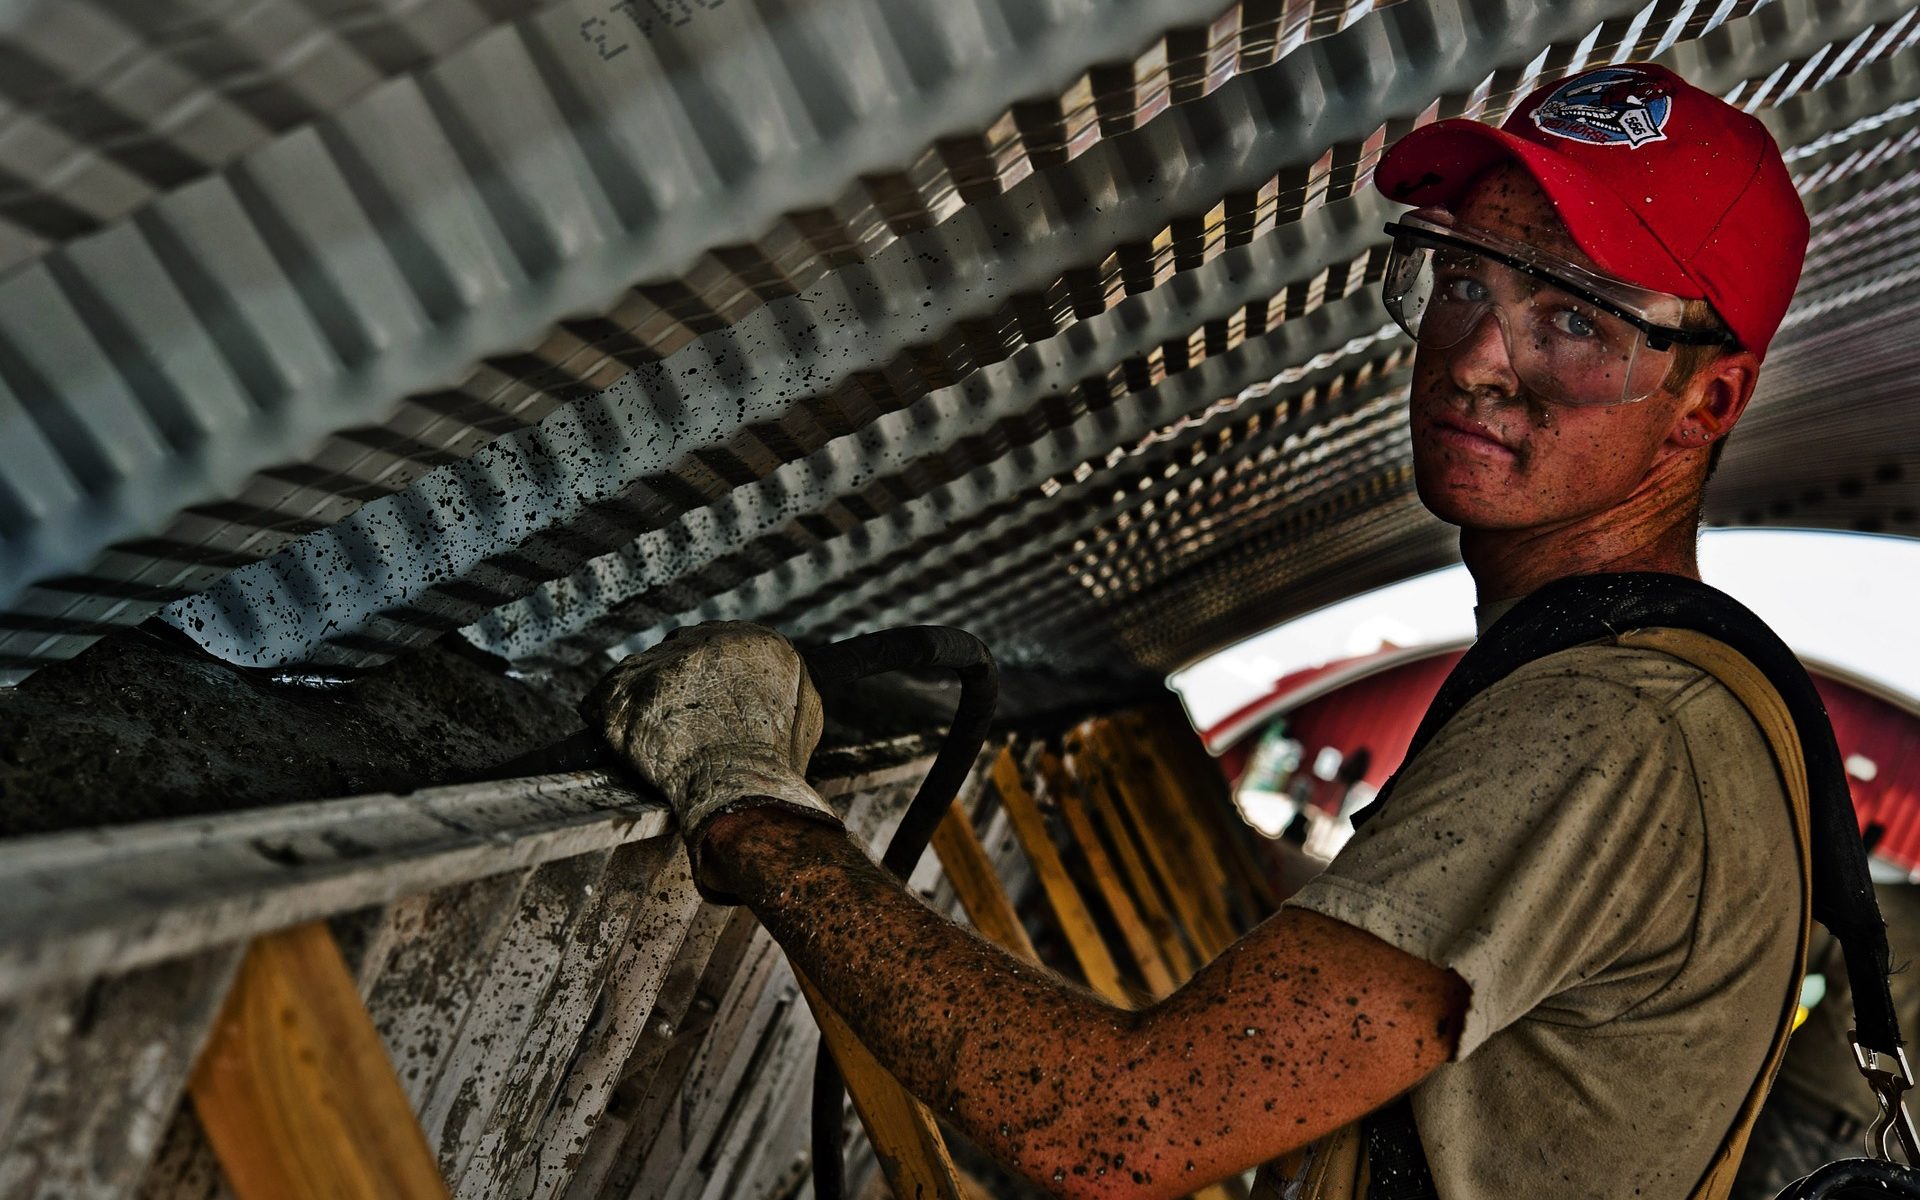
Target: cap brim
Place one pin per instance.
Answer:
(1435, 164)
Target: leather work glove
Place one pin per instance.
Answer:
(719, 717)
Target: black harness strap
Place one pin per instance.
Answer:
(1571, 612)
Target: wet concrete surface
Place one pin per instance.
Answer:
(145, 725)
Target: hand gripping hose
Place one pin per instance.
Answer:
(913, 648)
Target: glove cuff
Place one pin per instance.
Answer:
(729, 782)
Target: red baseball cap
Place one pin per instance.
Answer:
(1662, 184)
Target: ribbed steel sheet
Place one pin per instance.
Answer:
(1318, 115)
(1080, 372)
(109, 105)
(254, 355)
(1164, 625)
(998, 410)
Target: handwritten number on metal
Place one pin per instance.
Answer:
(652, 16)
(648, 17)
(594, 31)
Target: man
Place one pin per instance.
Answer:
(1571, 931)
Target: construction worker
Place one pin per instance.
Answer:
(1570, 931)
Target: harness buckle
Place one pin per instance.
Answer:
(1889, 1075)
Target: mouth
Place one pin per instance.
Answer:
(1470, 437)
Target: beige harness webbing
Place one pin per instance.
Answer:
(1769, 712)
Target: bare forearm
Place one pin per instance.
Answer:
(971, 1030)
(1300, 1027)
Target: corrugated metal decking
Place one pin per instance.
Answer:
(1098, 376)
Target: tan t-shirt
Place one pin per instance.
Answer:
(1599, 845)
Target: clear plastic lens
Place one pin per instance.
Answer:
(1562, 346)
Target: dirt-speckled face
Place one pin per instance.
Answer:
(1490, 455)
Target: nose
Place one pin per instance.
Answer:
(1481, 362)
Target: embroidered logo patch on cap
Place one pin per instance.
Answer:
(1614, 106)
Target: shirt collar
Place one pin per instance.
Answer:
(1484, 615)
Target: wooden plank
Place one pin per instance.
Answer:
(685, 1008)
(1194, 810)
(658, 1117)
(732, 1116)
(1172, 805)
(679, 1110)
(1069, 910)
(1194, 914)
(1167, 802)
(294, 1089)
(78, 905)
(1084, 761)
(563, 1045)
(421, 958)
(763, 1134)
(1188, 755)
(668, 1041)
(1177, 795)
(762, 992)
(521, 973)
(560, 1027)
(440, 947)
(781, 1076)
(672, 1118)
(185, 1168)
(905, 1139)
(976, 886)
(105, 1075)
(770, 1151)
(652, 947)
(1140, 941)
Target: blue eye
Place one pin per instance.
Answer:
(1575, 324)
(1464, 289)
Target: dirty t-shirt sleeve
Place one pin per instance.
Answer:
(1528, 846)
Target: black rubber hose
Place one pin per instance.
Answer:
(916, 647)
(1856, 1179)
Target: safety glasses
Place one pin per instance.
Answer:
(1572, 336)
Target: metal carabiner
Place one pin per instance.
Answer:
(1889, 1076)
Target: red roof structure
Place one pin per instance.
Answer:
(1377, 700)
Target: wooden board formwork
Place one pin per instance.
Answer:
(1149, 960)
(566, 1017)
(294, 1089)
(513, 944)
(1092, 778)
(104, 1070)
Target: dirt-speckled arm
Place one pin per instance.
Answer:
(1301, 1026)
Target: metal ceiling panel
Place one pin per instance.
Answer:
(254, 355)
(999, 409)
(405, 569)
(1018, 510)
(110, 105)
(1099, 376)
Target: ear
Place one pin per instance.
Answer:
(1714, 399)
